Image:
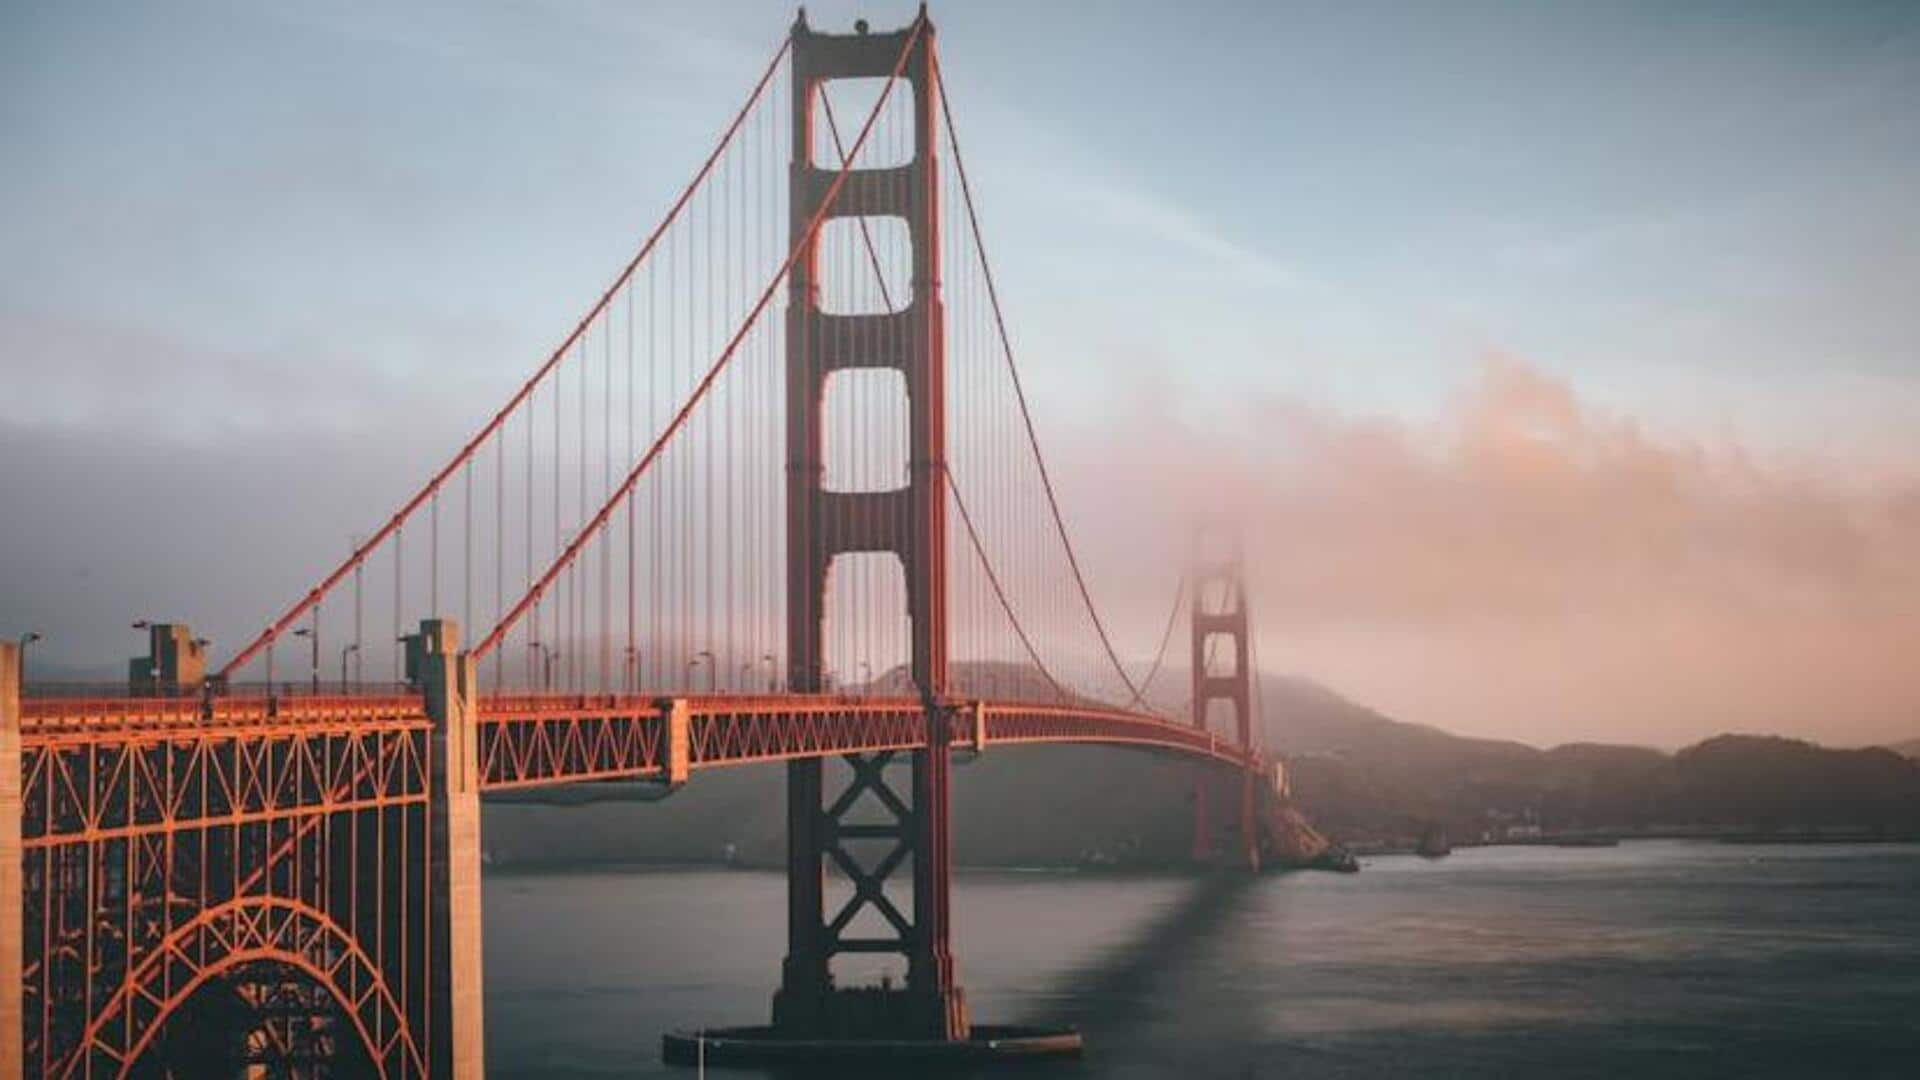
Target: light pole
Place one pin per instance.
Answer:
(207, 686)
(866, 683)
(772, 686)
(312, 635)
(703, 654)
(346, 650)
(26, 639)
(543, 663)
(633, 668)
(746, 675)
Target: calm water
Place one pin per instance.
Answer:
(1653, 958)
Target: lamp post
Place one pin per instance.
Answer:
(26, 639)
(632, 677)
(866, 679)
(772, 686)
(706, 655)
(312, 634)
(346, 650)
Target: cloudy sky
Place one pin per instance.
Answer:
(1565, 359)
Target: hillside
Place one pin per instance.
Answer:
(1368, 778)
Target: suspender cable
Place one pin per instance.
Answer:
(713, 372)
(392, 527)
(1026, 415)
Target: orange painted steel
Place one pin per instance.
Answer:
(531, 740)
(315, 595)
(169, 841)
(223, 939)
(526, 740)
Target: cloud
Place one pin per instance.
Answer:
(1533, 567)
(1526, 565)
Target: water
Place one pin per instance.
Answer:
(1649, 959)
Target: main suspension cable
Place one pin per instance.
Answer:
(1020, 394)
(586, 532)
(432, 488)
(1166, 637)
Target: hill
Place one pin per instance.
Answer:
(1370, 779)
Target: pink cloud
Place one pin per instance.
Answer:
(1531, 566)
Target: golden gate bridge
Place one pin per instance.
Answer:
(777, 497)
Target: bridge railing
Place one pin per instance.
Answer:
(109, 717)
(540, 739)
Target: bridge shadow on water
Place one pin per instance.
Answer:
(1126, 984)
(1133, 1003)
(1136, 1003)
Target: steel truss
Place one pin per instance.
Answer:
(283, 850)
(278, 851)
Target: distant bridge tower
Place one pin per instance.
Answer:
(908, 522)
(1218, 607)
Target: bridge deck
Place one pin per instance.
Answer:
(95, 768)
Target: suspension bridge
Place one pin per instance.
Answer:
(777, 497)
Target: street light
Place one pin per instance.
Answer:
(346, 650)
(703, 654)
(312, 635)
(866, 684)
(633, 668)
(26, 639)
(767, 659)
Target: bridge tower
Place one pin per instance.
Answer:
(907, 522)
(1219, 617)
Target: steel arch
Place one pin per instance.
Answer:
(313, 928)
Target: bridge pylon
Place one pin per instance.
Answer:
(1218, 612)
(450, 685)
(907, 522)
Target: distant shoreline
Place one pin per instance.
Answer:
(584, 866)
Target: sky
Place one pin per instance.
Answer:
(1562, 360)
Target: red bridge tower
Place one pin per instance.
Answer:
(909, 523)
(1219, 615)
